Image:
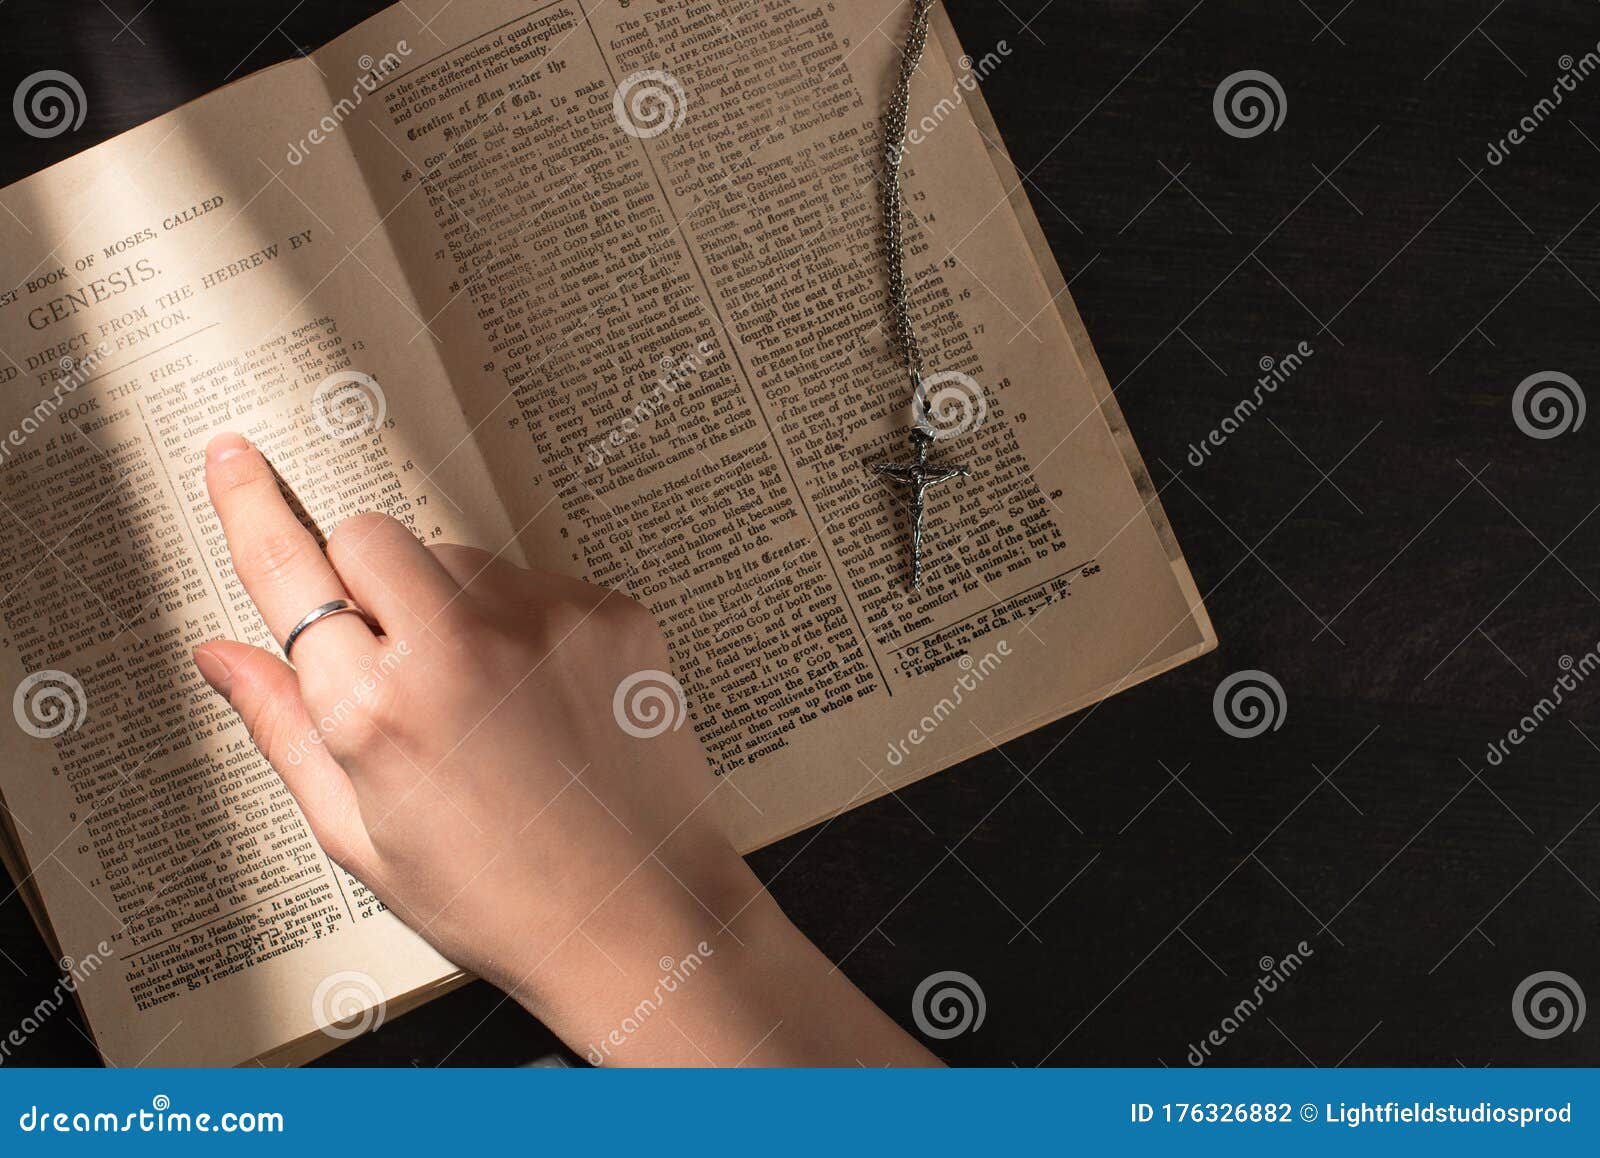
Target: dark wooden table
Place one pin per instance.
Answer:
(1381, 537)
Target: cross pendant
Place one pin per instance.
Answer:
(917, 476)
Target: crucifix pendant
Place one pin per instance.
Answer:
(917, 476)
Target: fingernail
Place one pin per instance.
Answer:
(213, 670)
(225, 446)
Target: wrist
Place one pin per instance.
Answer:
(673, 924)
(689, 961)
(673, 966)
(731, 983)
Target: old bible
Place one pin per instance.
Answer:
(596, 287)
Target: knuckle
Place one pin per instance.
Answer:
(349, 536)
(577, 629)
(475, 558)
(364, 738)
(632, 614)
(279, 554)
(558, 619)
(359, 731)
(495, 650)
(382, 701)
(637, 626)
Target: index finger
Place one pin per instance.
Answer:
(279, 562)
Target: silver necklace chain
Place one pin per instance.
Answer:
(895, 126)
(918, 475)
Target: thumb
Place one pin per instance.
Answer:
(266, 693)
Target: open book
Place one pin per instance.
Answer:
(599, 287)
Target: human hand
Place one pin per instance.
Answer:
(473, 774)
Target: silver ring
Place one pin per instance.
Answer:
(336, 607)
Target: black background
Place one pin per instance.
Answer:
(1382, 538)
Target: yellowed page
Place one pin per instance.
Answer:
(184, 278)
(650, 239)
